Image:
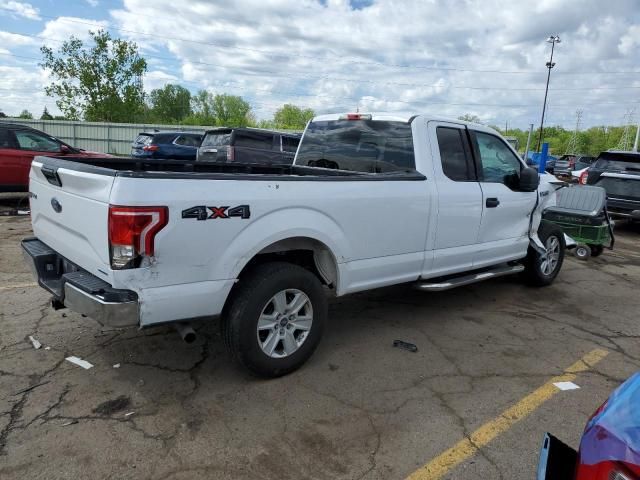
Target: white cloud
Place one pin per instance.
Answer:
(331, 56)
(93, 3)
(11, 40)
(450, 57)
(19, 9)
(62, 28)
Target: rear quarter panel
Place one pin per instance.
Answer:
(359, 221)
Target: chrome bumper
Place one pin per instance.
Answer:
(112, 314)
(79, 290)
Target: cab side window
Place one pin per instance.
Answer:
(499, 164)
(455, 154)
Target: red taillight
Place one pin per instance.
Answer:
(583, 177)
(132, 232)
(230, 153)
(150, 148)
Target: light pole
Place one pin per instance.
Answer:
(553, 39)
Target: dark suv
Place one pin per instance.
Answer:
(170, 145)
(619, 174)
(248, 145)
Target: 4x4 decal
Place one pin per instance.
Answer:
(202, 212)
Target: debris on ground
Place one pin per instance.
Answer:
(128, 414)
(113, 406)
(116, 365)
(566, 385)
(70, 422)
(405, 345)
(36, 344)
(78, 361)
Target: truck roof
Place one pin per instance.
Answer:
(406, 117)
(396, 117)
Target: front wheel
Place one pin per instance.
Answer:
(542, 269)
(275, 319)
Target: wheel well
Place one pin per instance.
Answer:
(308, 253)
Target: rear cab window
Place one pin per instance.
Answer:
(366, 146)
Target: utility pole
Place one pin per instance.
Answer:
(526, 150)
(553, 39)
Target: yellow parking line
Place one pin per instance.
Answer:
(20, 285)
(466, 448)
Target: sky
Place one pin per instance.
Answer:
(454, 57)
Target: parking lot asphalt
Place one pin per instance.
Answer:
(360, 408)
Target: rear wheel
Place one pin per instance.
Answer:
(541, 269)
(596, 250)
(275, 319)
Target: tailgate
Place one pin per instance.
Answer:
(69, 211)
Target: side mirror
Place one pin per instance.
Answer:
(529, 180)
(64, 150)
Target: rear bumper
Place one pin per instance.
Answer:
(79, 290)
(620, 207)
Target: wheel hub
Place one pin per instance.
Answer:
(285, 322)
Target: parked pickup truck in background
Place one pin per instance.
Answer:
(619, 174)
(248, 145)
(371, 200)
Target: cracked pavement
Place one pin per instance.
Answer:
(359, 409)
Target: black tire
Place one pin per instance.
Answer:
(533, 272)
(596, 250)
(250, 297)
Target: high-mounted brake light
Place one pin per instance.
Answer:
(230, 153)
(132, 232)
(150, 148)
(356, 116)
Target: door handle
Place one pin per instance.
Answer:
(492, 202)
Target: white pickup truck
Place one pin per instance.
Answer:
(371, 200)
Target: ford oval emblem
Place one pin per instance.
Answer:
(56, 205)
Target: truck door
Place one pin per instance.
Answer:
(459, 200)
(506, 211)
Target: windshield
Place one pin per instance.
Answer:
(216, 139)
(369, 146)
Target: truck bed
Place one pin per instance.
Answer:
(158, 168)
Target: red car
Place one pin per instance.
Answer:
(19, 144)
(610, 445)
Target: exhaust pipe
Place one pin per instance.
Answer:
(185, 331)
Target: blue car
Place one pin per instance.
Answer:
(168, 145)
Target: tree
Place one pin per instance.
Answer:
(222, 109)
(468, 117)
(170, 104)
(26, 114)
(98, 83)
(232, 111)
(46, 115)
(2, 114)
(292, 117)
